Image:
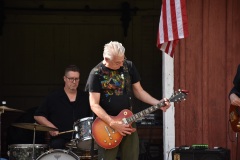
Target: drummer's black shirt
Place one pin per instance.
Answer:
(58, 109)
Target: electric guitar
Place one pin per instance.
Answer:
(234, 117)
(108, 138)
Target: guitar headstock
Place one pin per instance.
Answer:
(179, 95)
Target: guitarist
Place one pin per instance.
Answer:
(109, 95)
(234, 94)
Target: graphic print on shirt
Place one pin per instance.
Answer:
(112, 83)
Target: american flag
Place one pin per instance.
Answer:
(173, 25)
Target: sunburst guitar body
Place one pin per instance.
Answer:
(234, 118)
(104, 135)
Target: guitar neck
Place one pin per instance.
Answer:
(143, 113)
(177, 97)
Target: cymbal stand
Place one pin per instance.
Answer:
(33, 150)
(2, 111)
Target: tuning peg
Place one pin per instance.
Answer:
(183, 90)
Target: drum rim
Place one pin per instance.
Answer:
(85, 118)
(87, 138)
(27, 145)
(81, 149)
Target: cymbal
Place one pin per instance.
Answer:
(31, 126)
(4, 108)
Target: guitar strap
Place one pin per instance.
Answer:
(127, 82)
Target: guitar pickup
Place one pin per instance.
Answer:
(124, 121)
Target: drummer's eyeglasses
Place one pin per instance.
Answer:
(72, 79)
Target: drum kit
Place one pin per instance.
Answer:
(3, 108)
(79, 148)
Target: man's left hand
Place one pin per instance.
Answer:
(167, 104)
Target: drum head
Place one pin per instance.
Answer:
(58, 154)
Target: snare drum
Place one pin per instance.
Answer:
(25, 151)
(58, 154)
(83, 133)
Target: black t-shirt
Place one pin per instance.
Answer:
(62, 113)
(111, 85)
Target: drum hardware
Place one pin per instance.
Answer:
(82, 154)
(84, 144)
(35, 127)
(83, 135)
(2, 109)
(71, 144)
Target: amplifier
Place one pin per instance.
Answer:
(204, 154)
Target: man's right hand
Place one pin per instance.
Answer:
(53, 133)
(123, 129)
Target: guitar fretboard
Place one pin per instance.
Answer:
(177, 97)
(145, 112)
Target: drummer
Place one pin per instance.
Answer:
(61, 108)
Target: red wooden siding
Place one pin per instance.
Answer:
(205, 64)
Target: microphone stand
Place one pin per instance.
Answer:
(33, 150)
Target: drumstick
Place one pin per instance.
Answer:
(66, 132)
